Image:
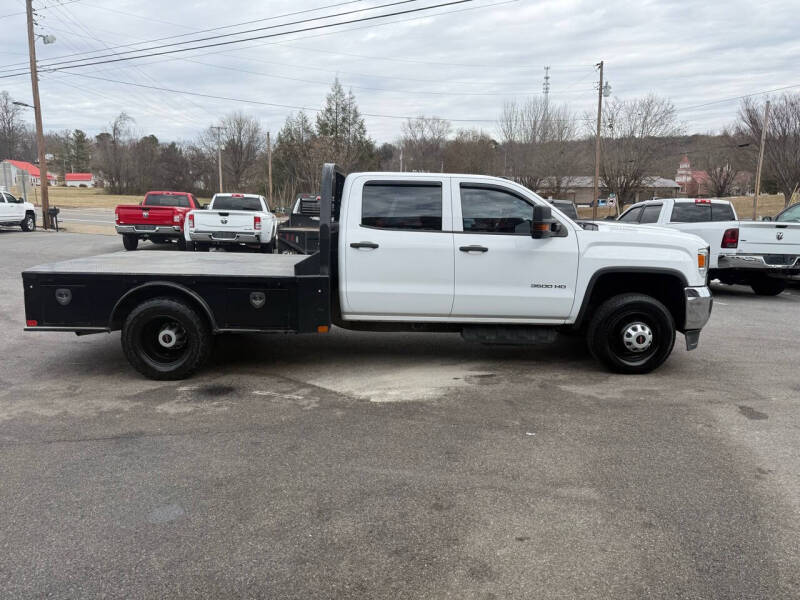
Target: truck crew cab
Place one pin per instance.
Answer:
(479, 255)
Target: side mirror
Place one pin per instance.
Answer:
(542, 223)
(766, 218)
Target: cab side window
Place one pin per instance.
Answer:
(650, 213)
(491, 210)
(11, 199)
(401, 206)
(632, 216)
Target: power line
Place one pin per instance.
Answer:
(193, 32)
(22, 12)
(68, 64)
(785, 87)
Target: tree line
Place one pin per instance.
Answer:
(541, 144)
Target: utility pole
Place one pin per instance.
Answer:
(219, 155)
(760, 160)
(37, 111)
(595, 193)
(269, 170)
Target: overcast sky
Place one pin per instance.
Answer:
(458, 62)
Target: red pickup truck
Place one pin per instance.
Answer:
(159, 218)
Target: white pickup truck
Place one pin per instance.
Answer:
(424, 252)
(232, 219)
(15, 211)
(756, 253)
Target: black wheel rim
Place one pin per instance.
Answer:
(164, 341)
(635, 337)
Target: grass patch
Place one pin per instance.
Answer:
(71, 197)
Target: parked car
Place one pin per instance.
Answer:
(233, 220)
(16, 212)
(761, 255)
(567, 207)
(159, 218)
(790, 214)
(479, 255)
(300, 234)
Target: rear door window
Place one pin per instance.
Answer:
(790, 215)
(650, 213)
(632, 216)
(690, 212)
(415, 207)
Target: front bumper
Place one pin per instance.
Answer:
(775, 263)
(699, 303)
(171, 230)
(225, 237)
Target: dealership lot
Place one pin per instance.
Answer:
(398, 465)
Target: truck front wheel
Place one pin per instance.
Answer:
(130, 241)
(164, 338)
(631, 333)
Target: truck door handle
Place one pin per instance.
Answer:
(372, 245)
(474, 249)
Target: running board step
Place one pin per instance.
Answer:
(509, 334)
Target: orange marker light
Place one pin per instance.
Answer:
(701, 261)
(322, 329)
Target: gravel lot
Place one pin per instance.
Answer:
(359, 465)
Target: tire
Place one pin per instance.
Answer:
(29, 222)
(130, 241)
(201, 247)
(767, 286)
(182, 246)
(618, 332)
(165, 339)
(267, 248)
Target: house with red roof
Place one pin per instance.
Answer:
(79, 180)
(28, 171)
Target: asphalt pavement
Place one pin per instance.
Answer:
(362, 465)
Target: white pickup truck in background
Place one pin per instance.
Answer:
(761, 254)
(232, 219)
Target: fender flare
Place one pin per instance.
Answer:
(162, 284)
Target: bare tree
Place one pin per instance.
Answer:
(12, 129)
(423, 142)
(472, 151)
(782, 149)
(113, 156)
(536, 136)
(630, 146)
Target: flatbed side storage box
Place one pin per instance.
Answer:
(237, 291)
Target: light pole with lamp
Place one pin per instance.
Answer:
(602, 91)
(37, 110)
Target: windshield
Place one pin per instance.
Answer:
(166, 200)
(237, 203)
(791, 214)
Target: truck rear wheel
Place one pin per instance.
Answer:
(768, 286)
(164, 338)
(631, 333)
(130, 241)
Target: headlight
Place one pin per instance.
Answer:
(702, 260)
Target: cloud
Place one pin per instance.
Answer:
(460, 64)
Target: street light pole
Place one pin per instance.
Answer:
(37, 111)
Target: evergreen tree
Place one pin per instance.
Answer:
(81, 152)
(342, 128)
